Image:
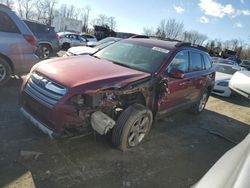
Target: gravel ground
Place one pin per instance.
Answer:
(177, 153)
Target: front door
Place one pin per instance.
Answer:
(174, 92)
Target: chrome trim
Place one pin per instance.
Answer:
(38, 124)
(44, 90)
(52, 87)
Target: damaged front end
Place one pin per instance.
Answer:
(99, 109)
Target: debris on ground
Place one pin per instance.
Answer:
(29, 155)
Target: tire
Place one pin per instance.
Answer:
(5, 71)
(125, 133)
(200, 106)
(65, 46)
(44, 51)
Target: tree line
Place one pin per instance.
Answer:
(171, 29)
(44, 11)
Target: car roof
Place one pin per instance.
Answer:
(67, 33)
(2, 6)
(170, 45)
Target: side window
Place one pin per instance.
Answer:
(179, 62)
(6, 24)
(195, 62)
(207, 62)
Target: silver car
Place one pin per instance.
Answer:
(17, 45)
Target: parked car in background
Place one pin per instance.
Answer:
(123, 87)
(68, 39)
(245, 64)
(240, 83)
(85, 50)
(48, 40)
(90, 38)
(224, 61)
(107, 39)
(17, 45)
(235, 59)
(224, 73)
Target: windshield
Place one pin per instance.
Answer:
(104, 45)
(134, 55)
(224, 69)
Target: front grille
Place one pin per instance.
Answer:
(44, 90)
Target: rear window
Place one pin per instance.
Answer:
(38, 28)
(195, 62)
(7, 25)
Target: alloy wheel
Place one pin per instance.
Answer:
(2, 72)
(203, 102)
(138, 130)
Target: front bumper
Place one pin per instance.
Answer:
(38, 124)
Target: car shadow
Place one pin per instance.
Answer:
(234, 99)
(182, 147)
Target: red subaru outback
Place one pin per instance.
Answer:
(120, 89)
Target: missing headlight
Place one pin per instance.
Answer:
(77, 100)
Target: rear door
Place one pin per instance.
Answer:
(197, 74)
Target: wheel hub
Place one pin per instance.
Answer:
(138, 131)
(2, 72)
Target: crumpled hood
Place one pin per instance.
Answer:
(87, 73)
(82, 50)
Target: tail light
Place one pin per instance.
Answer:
(56, 37)
(30, 39)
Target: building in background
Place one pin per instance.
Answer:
(66, 24)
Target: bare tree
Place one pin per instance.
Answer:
(194, 37)
(8, 3)
(161, 30)
(148, 31)
(105, 21)
(174, 29)
(111, 22)
(25, 8)
(85, 18)
(170, 29)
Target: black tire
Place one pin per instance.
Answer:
(126, 123)
(5, 71)
(44, 51)
(200, 106)
(65, 46)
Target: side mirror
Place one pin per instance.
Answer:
(175, 73)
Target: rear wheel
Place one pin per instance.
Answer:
(200, 106)
(44, 51)
(65, 46)
(132, 127)
(5, 72)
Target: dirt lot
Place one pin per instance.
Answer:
(177, 153)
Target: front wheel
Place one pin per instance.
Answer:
(200, 106)
(5, 72)
(132, 127)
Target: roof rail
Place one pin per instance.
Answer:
(4, 6)
(139, 37)
(188, 44)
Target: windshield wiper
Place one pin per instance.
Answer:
(121, 64)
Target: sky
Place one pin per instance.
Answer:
(218, 19)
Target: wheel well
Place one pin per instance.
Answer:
(8, 61)
(135, 98)
(209, 89)
(46, 44)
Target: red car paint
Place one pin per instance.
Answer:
(93, 76)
